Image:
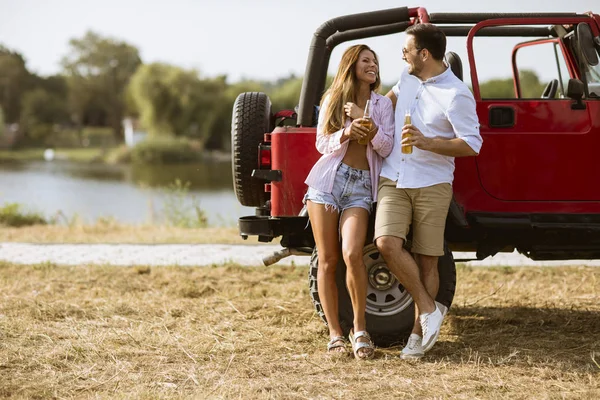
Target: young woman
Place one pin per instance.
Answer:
(343, 186)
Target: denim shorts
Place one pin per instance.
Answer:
(351, 188)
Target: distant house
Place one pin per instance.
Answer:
(134, 132)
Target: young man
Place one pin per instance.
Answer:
(417, 188)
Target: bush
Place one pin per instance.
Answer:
(178, 211)
(2, 127)
(119, 155)
(87, 136)
(165, 151)
(12, 214)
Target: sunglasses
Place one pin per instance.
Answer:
(405, 52)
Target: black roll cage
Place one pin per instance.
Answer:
(390, 21)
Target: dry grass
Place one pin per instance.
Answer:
(111, 232)
(232, 332)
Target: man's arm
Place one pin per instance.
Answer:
(450, 147)
(456, 147)
(390, 95)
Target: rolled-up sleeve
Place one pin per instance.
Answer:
(327, 143)
(396, 88)
(383, 141)
(462, 115)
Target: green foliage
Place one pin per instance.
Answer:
(98, 70)
(42, 110)
(104, 79)
(531, 87)
(497, 89)
(14, 82)
(172, 101)
(177, 209)
(286, 95)
(119, 155)
(12, 214)
(2, 123)
(165, 150)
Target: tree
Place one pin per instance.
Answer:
(41, 112)
(287, 94)
(2, 123)
(497, 89)
(14, 81)
(98, 70)
(172, 101)
(531, 87)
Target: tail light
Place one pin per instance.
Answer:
(264, 153)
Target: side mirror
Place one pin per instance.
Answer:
(575, 91)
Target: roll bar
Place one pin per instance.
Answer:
(348, 27)
(474, 18)
(395, 20)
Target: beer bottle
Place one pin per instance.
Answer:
(366, 123)
(407, 121)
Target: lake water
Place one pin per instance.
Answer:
(129, 193)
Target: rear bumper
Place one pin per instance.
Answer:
(267, 228)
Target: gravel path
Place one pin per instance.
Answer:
(200, 255)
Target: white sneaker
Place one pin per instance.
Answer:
(443, 309)
(431, 324)
(413, 349)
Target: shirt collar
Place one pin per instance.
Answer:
(374, 98)
(439, 78)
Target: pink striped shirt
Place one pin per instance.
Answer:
(322, 175)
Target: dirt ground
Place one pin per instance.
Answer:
(251, 332)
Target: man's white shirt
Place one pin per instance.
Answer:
(441, 107)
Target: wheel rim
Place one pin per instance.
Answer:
(385, 295)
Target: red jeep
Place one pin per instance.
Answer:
(534, 187)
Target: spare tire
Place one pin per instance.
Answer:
(250, 121)
(390, 309)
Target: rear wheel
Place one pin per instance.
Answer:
(250, 121)
(390, 308)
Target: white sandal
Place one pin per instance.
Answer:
(356, 345)
(336, 343)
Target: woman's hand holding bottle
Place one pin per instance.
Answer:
(356, 130)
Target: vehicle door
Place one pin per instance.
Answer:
(539, 146)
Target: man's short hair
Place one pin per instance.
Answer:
(430, 37)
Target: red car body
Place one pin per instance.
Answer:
(533, 187)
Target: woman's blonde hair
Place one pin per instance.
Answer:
(344, 88)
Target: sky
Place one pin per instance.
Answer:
(243, 39)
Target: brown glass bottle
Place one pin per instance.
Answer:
(366, 123)
(407, 149)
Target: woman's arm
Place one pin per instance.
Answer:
(328, 143)
(383, 141)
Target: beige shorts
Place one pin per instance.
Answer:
(425, 208)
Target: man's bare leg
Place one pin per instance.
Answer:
(403, 266)
(428, 266)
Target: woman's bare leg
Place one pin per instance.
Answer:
(354, 223)
(324, 224)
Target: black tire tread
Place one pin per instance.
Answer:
(250, 121)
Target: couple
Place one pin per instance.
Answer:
(410, 188)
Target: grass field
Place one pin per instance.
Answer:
(244, 333)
